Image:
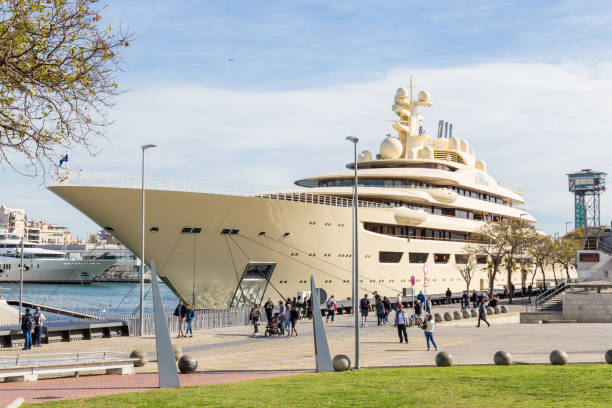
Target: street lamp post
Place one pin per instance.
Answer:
(142, 253)
(21, 283)
(355, 140)
(522, 244)
(566, 224)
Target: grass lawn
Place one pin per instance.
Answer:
(547, 386)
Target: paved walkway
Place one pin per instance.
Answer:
(233, 354)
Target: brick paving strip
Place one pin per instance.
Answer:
(96, 385)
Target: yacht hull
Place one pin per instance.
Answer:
(52, 270)
(299, 238)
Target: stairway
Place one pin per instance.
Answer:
(550, 301)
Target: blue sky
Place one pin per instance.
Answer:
(262, 93)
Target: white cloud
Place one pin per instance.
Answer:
(532, 124)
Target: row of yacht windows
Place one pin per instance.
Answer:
(449, 212)
(36, 256)
(409, 183)
(416, 233)
(17, 246)
(422, 257)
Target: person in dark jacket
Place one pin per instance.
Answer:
(482, 313)
(180, 312)
(189, 316)
(449, 295)
(293, 317)
(269, 308)
(474, 299)
(387, 304)
(254, 316)
(281, 316)
(27, 322)
(380, 311)
(465, 301)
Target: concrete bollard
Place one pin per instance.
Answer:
(141, 356)
(474, 312)
(490, 311)
(341, 362)
(448, 316)
(497, 310)
(502, 358)
(16, 403)
(466, 314)
(438, 317)
(504, 309)
(558, 357)
(178, 351)
(457, 315)
(444, 359)
(187, 364)
(609, 356)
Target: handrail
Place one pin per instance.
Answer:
(94, 180)
(549, 294)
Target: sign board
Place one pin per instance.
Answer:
(589, 257)
(412, 280)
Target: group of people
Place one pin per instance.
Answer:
(286, 318)
(33, 322)
(185, 315)
(480, 302)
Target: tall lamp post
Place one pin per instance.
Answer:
(355, 140)
(522, 244)
(142, 252)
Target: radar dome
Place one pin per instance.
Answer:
(423, 96)
(401, 92)
(391, 148)
(364, 156)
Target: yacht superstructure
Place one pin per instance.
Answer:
(44, 265)
(419, 200)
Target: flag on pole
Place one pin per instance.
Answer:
(63, 159)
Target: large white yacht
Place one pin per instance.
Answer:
(43, 265)
(221, 246)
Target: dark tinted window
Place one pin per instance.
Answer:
(461, 258)
(389, 257)
(418, 257)
(441, 258)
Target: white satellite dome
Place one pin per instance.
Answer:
(366, 155)
(423, 96)
(401, 92)
(391, 148)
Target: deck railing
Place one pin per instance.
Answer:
(96, 180)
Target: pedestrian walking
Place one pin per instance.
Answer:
(421, 297)
(482, 313)
(418, 311)
(27, 323)
(449, 295)
(281, 316)
(298, 306)
(380, 311)
(180, 313)
(364, 305)
(387, 304)
(428, 305)
(429, 331)
(401, 321)
(269, 309)
(39, 322)
(331, 309)
(294, 315)
(376, 296)
(287, 320)
(465, 300)
(255, 316)
(474, 299)
(189, 316)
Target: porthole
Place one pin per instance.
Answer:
(153, 229)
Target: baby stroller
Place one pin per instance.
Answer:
(274, 326)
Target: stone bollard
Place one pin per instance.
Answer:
(502, 358)
(448, 316)
(497, 310)
(438, 317)
(558, 357)
(490, 311)
(178, 352)
(444, 359)
(609, 356)
(141, 356)
(457, 315)
(474, 312)
(187, 364)
(341, 362)
(504, 309)
(466, 314)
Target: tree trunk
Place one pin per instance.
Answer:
(509, 283)
(567, 272)
(554, 274)
(543, 276)
(492, 279)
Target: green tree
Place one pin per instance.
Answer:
(57, 79)
(490, 240)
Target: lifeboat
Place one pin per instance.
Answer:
(407, 216)
(443, 195)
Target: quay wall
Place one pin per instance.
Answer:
(588, 307)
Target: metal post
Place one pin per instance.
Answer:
(142, 252)
(21, 284)
(355, 256)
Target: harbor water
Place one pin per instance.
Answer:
(113, 298)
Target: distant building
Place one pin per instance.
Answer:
(103, 237)
(15, 221)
